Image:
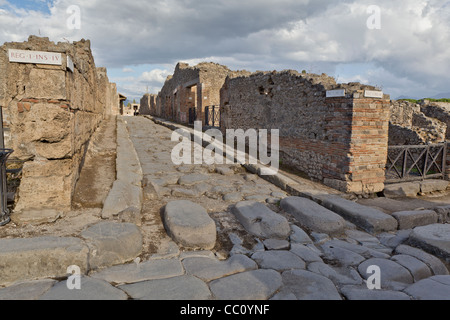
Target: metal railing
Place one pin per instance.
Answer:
(412, 163)
(212, 116)
(4, 214)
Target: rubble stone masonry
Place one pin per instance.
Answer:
(341, 141)
(50, 114)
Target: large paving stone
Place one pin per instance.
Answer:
(343, 256)
(313, 216)
(26, 290)
(299, 236)
(192, 178)
(112, 243)
(250, 285)
(90, 289)
(434, 239)
(411, 219)
(148, 270)
(349, 277)
(177, 288)
(278, 260)
(38, 258)
(260, 221)
(208, 269)
(434, 288)
(418, 269)
(305, 253)
(363, 293)
(436, 265)
(399, 190)
(190, 225)
(306, 285)
(368, 219)
(392, 273)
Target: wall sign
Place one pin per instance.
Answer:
(373, 94)
(336, 93)
(37, 57)
(70, 65)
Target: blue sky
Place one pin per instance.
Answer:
(140, 42)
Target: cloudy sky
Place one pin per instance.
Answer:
(140, 42)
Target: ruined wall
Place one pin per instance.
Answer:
(410, 125)
(51, 113)
(341, 141)
(192, 87)
(148, 105)
(439, 111)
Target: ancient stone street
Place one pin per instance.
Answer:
(220, 232)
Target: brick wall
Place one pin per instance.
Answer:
(339, 141)
(51, 114)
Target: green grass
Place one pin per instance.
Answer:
(431, 100)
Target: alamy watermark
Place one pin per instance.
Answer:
(74, 281)
(374, 281)
(214, 153)
(73, 22)
(374, 20)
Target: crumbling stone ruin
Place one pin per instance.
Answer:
(416, 124)
(50, 113)
(148, 104)
(192, 88)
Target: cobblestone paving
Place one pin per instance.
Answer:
(255, 257)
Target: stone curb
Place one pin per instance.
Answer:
(127, 190)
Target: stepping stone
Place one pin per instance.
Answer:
(400, 190)
(362, 293)
(434, 239)
(208, 269)
(368, 219)
(91, 289)
(260, 221)
(418, 269)
(276, 244)
(149, 270)
(306, 285)
(177, 288)
(305, 253)
(391, 273)
(23, 259)
(313, 216)
(26, 290)
(299, 236)
(411, 219)
(192, 178)
(250, 285)
(190, 225)
(436, 265)
(434, 288)
(112, 243)
(278, 260)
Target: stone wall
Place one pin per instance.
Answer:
(50, 115)
(192, 88)
(148, 105)
(416, 124)
(340, 141)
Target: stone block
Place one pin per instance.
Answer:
(39, 258)
(411, 219)
(399, 190)
(428, 186)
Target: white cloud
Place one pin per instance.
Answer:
(410, 51)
